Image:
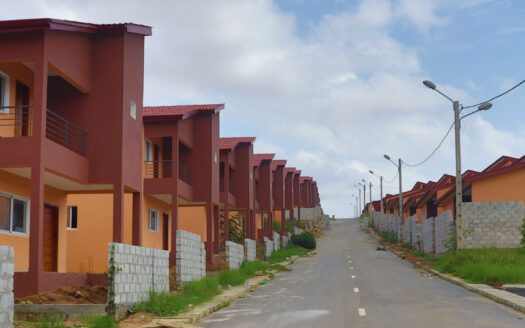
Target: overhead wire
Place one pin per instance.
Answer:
(495, 97)
(433, 152)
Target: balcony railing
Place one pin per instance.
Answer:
(185, 174)
(65, 133)
(15, 121)
(158, 169)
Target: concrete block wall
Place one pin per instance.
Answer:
(285, 239)
(428, 236)
(268, 247)
(191, 257)
(296, 231)
(7, 271)
(407, 231)
(276, 241)
(234, 255)
(139, 270)
(416, 230)
(443, 225)
(250, 251)
(493, 224)
(364, 223)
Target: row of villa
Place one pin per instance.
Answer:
(84, 163)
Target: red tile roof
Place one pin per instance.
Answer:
(179, 112)
(259, 158)
(298, 172)
(70, 26)
(278, 162)
(231, 143)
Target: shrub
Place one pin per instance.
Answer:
(305, 240)
(232, 278)
(277, 226)
(51, 321)
(102, 322)
(389, 236)
(249, 268)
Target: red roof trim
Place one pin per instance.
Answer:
(23, 25)
(232, 143)
(178, 112)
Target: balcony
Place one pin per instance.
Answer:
(17, 121)
(65, 133)
(158, 169)
(232, 189)
(185, 174)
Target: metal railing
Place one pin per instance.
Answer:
(65, 133)
(19, 118)
(158, 169)
(185, 174)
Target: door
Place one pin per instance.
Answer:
(23, 114)
(165, 231)
(50, 245)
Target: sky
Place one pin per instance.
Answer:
(333, 85)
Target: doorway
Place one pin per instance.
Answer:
(165, 231)
(50, 243)
(22, 114)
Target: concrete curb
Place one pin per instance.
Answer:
(217, 303)
(497, 295)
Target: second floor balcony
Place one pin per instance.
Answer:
(164, 169)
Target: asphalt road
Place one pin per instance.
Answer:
(321, 292)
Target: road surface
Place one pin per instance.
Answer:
(351, 284)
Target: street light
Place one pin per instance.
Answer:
(358, 203)
(399, 169)
(457, 127)
(380, 188)
(364, 194)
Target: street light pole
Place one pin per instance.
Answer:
(400, 191)
(370, 191)
(364, 194)
(380, 188)
(459, 184)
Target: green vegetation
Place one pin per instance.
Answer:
(277, 226)
(231, 278)
(523, 233)
(306, 240)
(195, 292)
(486, 265)
(420, 254)
(282, 254)
(102, 322)
(236, 230)
(51, 321)
(288, 226)
(389, 236)
(407, 245)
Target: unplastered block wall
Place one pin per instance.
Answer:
(364, 222)
(250, 250)
(407, 232)
(398, 227)
(7, 271)
(276, 241)
(495, 224)
(138, 270)
(234, 255)
(307, 213)
(416, 230)
(296, 231)
(443, 226)
(191, 257)
(285, 241)
(428, 236)
(268, 247)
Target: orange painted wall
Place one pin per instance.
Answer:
(193, 219)
(22, 73)
(16, 185)
(277, 216)
(509, 186)
(87, 246)
(153, 239)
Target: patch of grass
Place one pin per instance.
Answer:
(280, 267)
(420, 254)
(487, 266)
(407, 245)
(195, 292)
(249, 268)
(429, 258)
(232, 278)
(389, 236)
(50, 321)
(282, 254)
(102, 322)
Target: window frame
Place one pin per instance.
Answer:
(69, 208)
(148, 151)
(151, 211)
(27, 209)
(5, 83)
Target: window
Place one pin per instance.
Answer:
(133, 110)
(4, 92)
(13, 214)
(149, 148)
(153, 222)
(72, 217)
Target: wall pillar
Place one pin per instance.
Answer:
(283, 221)
(118, 212)
(174, 224)
(209, 232)
(136, 221)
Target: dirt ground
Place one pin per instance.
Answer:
(69, 295)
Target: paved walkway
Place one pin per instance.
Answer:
(350, 284)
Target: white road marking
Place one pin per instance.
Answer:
(351, 268)
(362, 312)
(356, 290)
(353, 277)
(349, 261)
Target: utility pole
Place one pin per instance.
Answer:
(364, 196)
(459, 184)
(370, 190)
(381, 188)
(400, 192)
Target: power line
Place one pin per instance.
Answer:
(501, 94)
(393, 179)
(433, 152)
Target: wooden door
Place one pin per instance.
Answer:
(165, 231)
(23, 114)
(50, 245)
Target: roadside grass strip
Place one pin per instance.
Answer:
(486, 266)
(286, 253)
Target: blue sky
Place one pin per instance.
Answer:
(333, 85)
